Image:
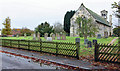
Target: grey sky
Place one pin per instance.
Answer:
(30, 13)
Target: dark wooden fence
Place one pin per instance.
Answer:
(107, 53)
(57, 48)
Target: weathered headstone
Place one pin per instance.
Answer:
(89, 44)
(17, 36)
(53, 37)
(24, 34)
(85, 41)
(58, 37)
(49, 38)
(38, 35)
(99, 36)
(94, 42)
(77, 40)
(34, 37)
(63, 37)
(45, 35)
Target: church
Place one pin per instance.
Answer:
(104, 27)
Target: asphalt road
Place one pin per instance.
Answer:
(15, 62)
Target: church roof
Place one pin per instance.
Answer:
(98, 17)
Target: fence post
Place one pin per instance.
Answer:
(28, 44)
(10, 43)
(2, 42)
(78, 47)
(40, 46)
(96, 54)
(56, 48)
(18, 43)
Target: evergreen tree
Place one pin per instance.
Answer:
(67, 18)
(44, 28)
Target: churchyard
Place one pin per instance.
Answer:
(84, 50)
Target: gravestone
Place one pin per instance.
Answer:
(24, 34)
(56, 34)
(53, 37)
(89, 44)
(94, 42)
(49, 38)
(38, 35)
(45, 35)
(63, 37)
(77, 40)
(99, 36)
(58, 37)
(17, 36)
(85, 41)
(34, 37)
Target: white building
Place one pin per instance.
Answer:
(105, 27)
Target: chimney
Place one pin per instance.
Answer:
(110, 20)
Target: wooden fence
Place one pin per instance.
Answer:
(107, 53)
(57, 48)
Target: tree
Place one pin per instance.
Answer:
(86, 27)
(117, 13)
(26, 31)
(44, 28)
(115, 31)
(58, 27)
(7, 25)
(67, 18)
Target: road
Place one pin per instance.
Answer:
(15, 62)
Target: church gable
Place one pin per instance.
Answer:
(82, 11)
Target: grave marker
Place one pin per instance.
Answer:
(89, 44)
(99, 36)
(58, 37)
(49, 38)
(45, 35)
(53, 37)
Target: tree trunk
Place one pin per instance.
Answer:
(85, 36)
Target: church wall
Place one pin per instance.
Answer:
(81, 11)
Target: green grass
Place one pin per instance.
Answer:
(83, 50)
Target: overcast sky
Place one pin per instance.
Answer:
(30, 13)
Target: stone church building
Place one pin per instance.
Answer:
(104, 27)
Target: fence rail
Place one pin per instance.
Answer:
(107, 53)
(57, 48)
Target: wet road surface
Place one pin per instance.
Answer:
(15, 62)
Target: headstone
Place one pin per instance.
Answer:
(63, 37)
(38, 35)
(24, 34)
(53, 37)
(45, 35)
(34, 37)
(17, 36)
(89, 44)
(85, 41)
(49, 38)
(94, 42)
(99, 36)
(56, 34)
(58, 37)
(61, 34)
(77, 39)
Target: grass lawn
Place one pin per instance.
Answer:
(83, 50)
